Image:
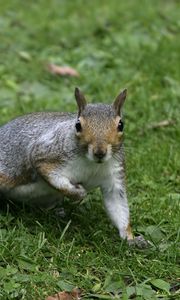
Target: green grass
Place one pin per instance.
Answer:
(113, 45)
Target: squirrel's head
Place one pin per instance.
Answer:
(99, 127)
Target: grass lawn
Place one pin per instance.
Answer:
(112, 44)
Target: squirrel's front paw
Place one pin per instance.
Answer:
(139, 241)
(78, 192)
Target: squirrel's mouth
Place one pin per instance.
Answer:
(99, 155)
(99, 161)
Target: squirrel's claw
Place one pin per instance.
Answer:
(79, 192)
(139, 242)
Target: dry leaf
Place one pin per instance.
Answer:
(62, 71)
(74, 295)
(163, 123)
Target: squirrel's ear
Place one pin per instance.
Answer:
(80, 99)
(119, 101)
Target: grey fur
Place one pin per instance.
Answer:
(21, 140)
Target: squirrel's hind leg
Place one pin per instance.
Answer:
(37, 193)
(6, 182)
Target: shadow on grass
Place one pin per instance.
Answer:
(86, 219)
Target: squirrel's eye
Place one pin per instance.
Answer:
(120, 126)
(78, 126)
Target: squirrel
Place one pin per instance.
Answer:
(54, 153)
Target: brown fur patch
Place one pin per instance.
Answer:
(129, 232)
(6, 181)
(85, 136)
(46, 168)
(114, 137)
(10, 182)
(98, 134)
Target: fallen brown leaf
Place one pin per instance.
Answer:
(74, 295)
(62, 71)
(163, 123)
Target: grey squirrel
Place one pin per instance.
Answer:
(48, 153)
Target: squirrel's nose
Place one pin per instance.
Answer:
(100, 154)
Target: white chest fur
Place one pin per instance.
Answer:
(78, 171)
(89, 173)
